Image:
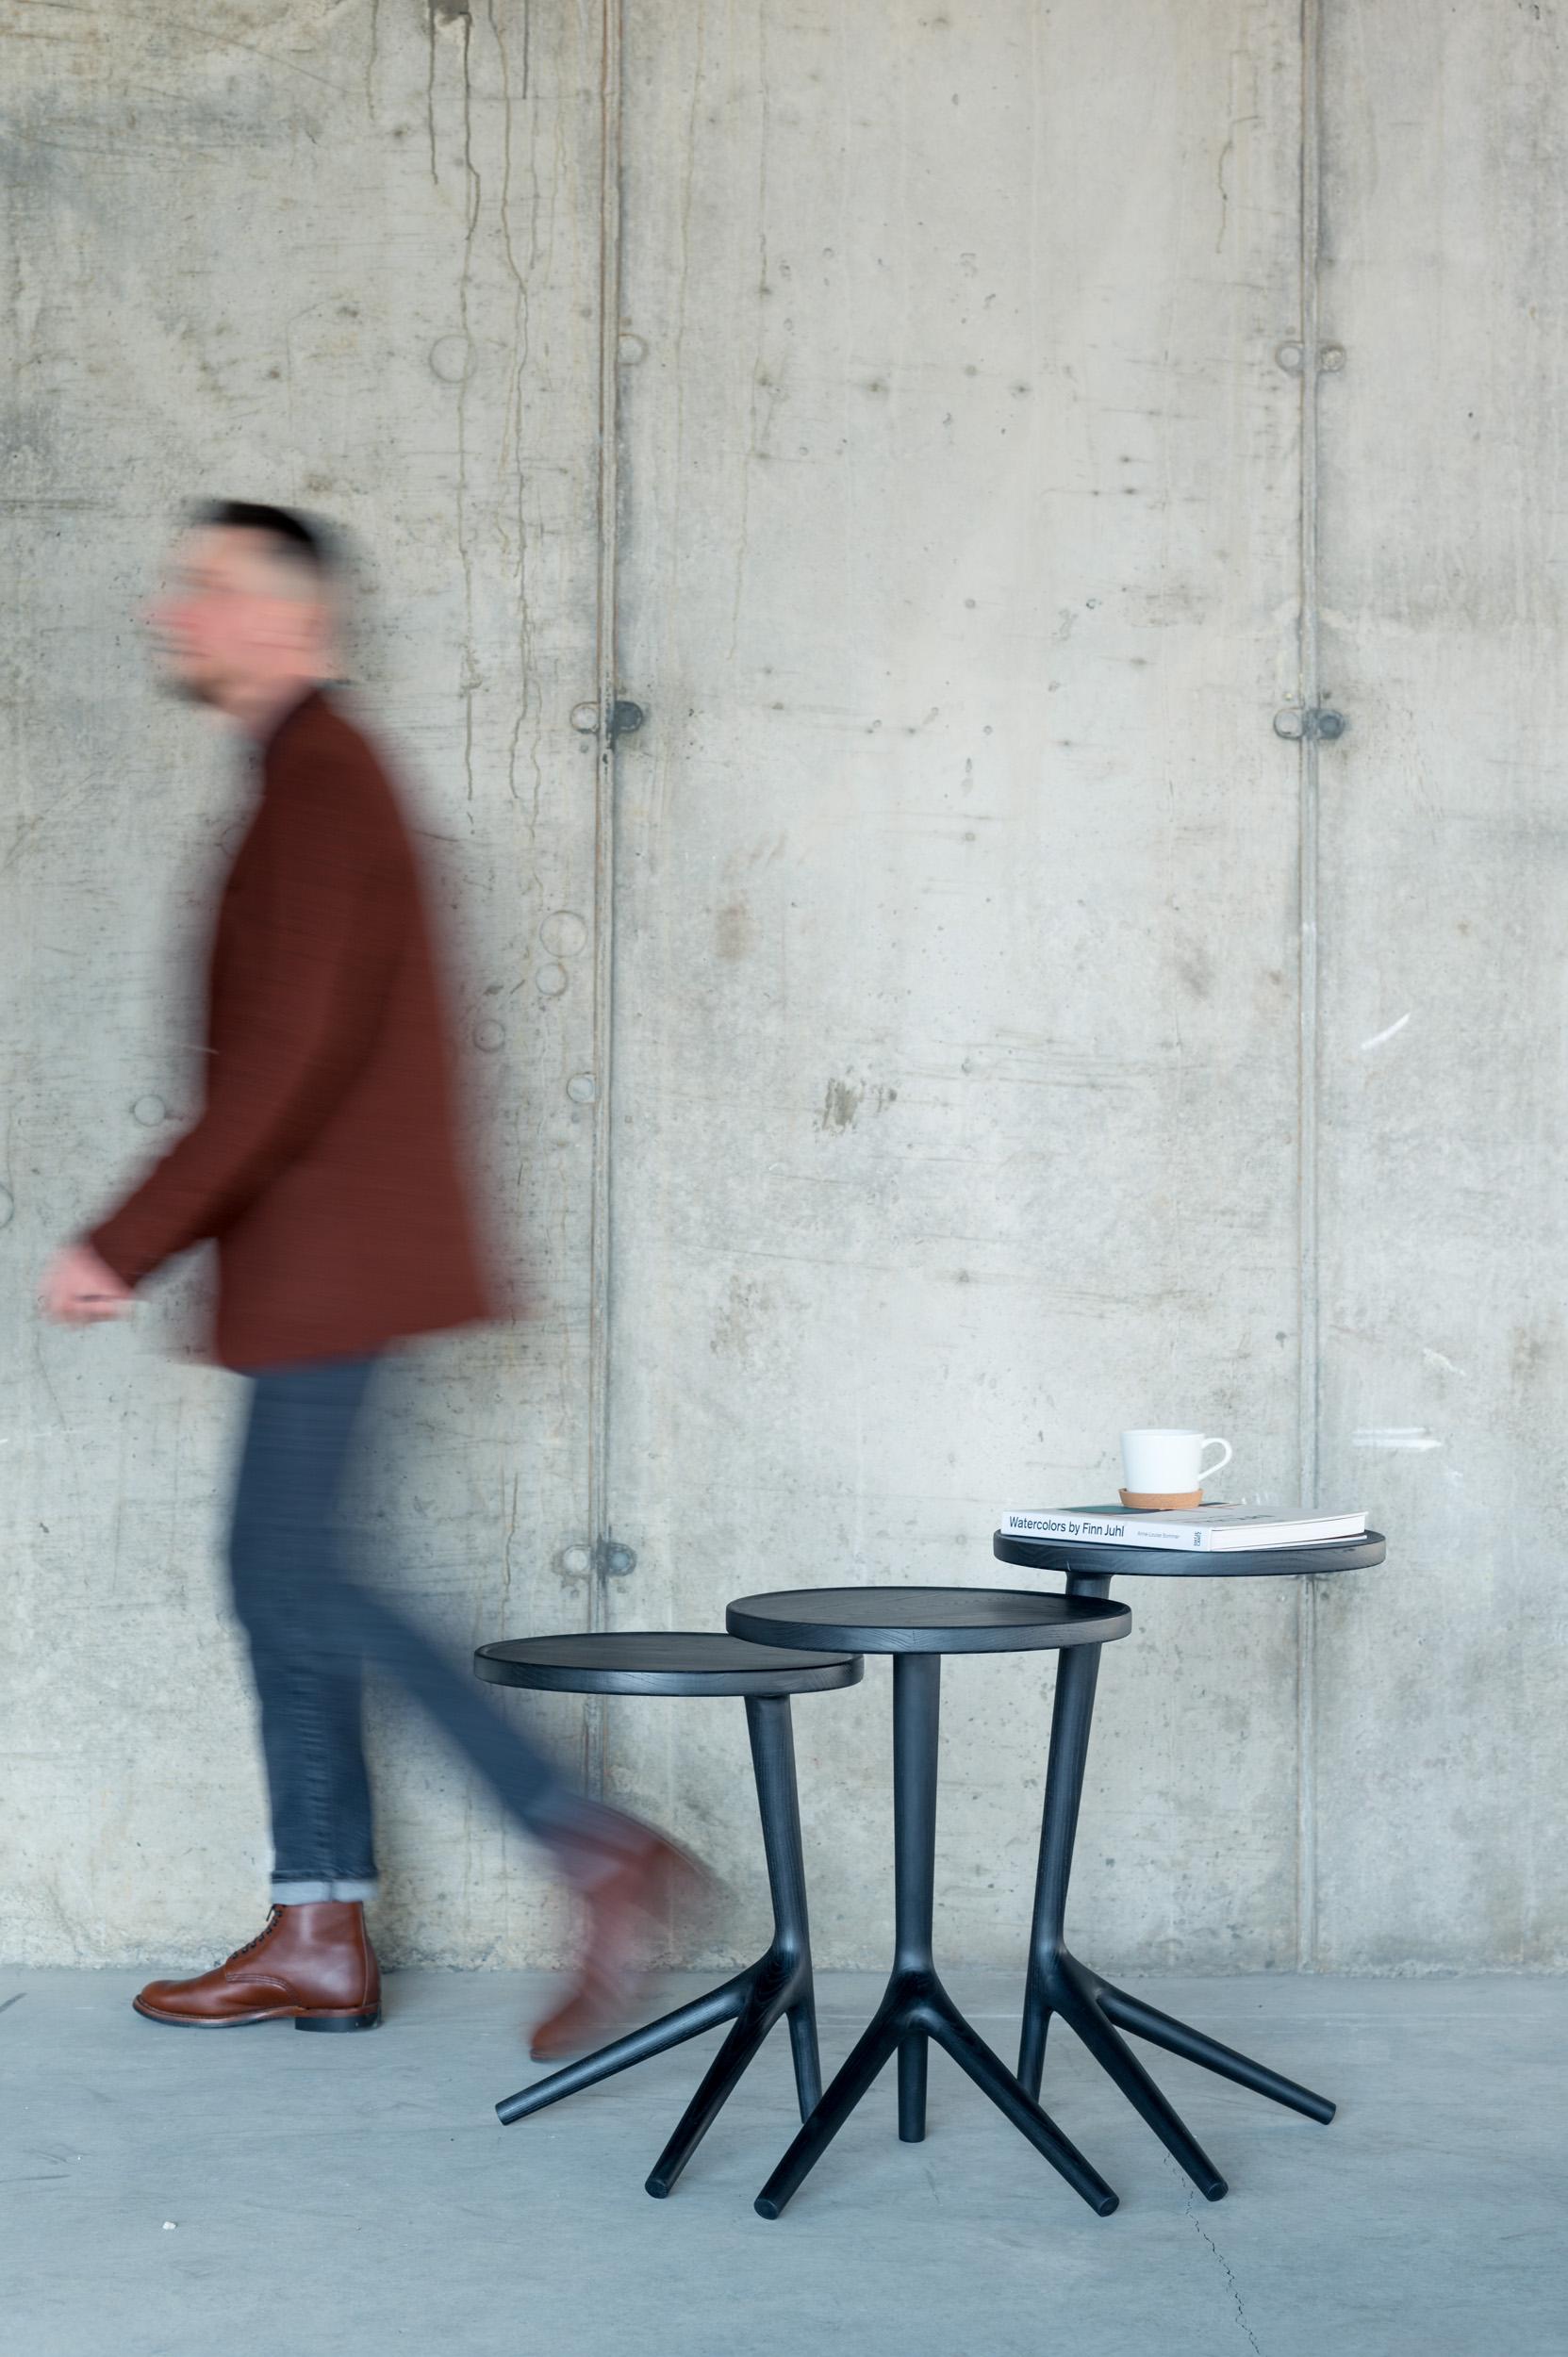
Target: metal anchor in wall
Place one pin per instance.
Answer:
(623, 719)
(1317, 722)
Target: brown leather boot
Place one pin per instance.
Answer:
(640, 1885)
(312, 1965)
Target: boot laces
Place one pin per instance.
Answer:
(250, 1944)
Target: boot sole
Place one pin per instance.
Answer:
(365, 2017)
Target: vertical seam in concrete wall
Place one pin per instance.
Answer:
(603, 870)
(1308, 1327)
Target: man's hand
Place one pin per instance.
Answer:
(78, 1288)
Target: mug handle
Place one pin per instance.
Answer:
(1207, 1473)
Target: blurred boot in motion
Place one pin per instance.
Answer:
(623, 1893)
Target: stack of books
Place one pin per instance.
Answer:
(1218, 1530)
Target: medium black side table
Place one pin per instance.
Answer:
(917, 1625)
(1057, 1982)
(779, 1983)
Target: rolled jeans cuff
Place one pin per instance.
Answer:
(287, 1893)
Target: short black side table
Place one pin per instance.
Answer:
(779, 1983)
(917, 1625)
(1057, 1982)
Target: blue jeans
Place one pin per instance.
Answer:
(312, 1625)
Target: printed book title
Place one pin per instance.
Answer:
(1069, 1526)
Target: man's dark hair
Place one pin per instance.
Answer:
(304, 540)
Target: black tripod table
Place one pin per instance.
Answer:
(917, 1625)
(779, 1984)
(1057, 1982)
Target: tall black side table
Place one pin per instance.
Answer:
(1057, 1982)
(917, 1625)
(779, 1983)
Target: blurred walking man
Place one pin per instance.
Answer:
(325, 1165)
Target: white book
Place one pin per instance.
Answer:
(1218, 1530)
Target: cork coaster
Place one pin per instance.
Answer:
(1149, 1499)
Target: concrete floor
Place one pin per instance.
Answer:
(336, 2196)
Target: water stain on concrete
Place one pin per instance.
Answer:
(844, 1098)
(841, 1105)
(732, 931)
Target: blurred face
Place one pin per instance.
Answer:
(237, 617)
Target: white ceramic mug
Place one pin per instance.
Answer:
(1169, 1463)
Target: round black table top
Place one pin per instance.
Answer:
(661, 1661)
(1061, 1555)
(926, 1620)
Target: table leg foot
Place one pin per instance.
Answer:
(912, 2086)
(1032, 2044)
(992, 2076)
(1178, 2038)
(733, 2059)
(808, 2062)
(1076, 2001)
(866, 2059)
(671, 2029)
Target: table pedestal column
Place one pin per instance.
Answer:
(915, 2005)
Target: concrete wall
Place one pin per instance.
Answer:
(970, 1095)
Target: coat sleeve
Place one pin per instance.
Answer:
(311, 959)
